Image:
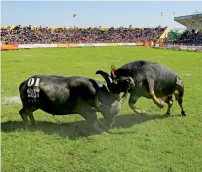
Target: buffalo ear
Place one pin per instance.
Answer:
(130, 82)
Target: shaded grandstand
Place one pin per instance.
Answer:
(191, 22)
(193, 33)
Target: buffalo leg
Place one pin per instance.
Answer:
(103, 125)
(169, 101)
(97, 128)
(33, 122)
(179, 98)
(24, 116)
(91, 118)
(132, 100)
(156, 100)
(25, 113)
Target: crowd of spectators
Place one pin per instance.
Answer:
(188, 38)
(45, 35)
(191, 38)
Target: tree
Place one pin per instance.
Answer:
(173, 35)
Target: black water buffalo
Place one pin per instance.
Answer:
(59, 95)
(153, 81)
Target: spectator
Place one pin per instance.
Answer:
(188, 38)
(45, 35)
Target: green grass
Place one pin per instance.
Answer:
(137, 143)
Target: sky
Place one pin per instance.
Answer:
(95, 14)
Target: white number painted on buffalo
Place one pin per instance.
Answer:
(31, 82)
(33, 92)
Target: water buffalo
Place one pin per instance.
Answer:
(60, 95)
(153, 81)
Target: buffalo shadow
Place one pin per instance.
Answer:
(73, 130)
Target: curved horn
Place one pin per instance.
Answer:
(123, 98)
(105, 76)
(113, 71)
(97, 102)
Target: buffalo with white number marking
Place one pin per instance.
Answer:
(153, 81)
(59, 95)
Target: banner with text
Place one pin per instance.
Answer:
(179, 47)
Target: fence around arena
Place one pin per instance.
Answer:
(179, 47)
(70, 45)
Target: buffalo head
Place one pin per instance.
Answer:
(117, 85)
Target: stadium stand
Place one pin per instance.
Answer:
(190, 38)
(46, 35)
(193, 33)
(193, 21)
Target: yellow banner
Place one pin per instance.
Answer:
(62, 45)
(73, 45)
(112, 44)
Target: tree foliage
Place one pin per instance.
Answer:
(173, 35)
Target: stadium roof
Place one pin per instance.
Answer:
(190, 21)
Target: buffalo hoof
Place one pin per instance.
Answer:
(30, 127)
(104, 133)
(143, 112)
(140, 111)
(166, 114)
(161, 104)
(183, 113)
(110, 126)
(35, 125)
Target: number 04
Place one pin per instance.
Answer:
(32, 80)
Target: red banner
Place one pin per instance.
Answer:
(9, 46)
(163, 46)
(148, 44)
